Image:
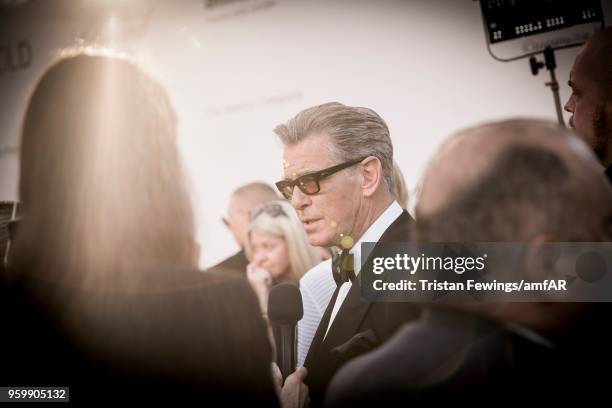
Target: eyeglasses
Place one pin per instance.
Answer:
(273, 210)
(309, 183)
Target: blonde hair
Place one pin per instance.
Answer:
(286, 225)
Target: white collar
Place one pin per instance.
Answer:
(375, 231)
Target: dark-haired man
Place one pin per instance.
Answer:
(591, 100)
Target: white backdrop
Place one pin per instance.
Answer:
(235, 69)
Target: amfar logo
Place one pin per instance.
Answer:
(15, 58)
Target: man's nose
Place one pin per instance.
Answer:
(569, 106)
(299, 200)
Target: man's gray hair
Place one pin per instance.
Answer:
(354, 132)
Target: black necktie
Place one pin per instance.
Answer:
(342, 267)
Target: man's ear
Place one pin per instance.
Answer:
(541, 257)
(371, 171)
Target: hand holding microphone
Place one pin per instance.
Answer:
(285, 309)
(294, 393)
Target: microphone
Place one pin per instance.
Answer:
(284, 311)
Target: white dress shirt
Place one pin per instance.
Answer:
(372, 234)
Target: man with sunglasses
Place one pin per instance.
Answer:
(338, 167)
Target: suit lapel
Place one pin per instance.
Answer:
(349, 317)
(317, 340)
(355, 307)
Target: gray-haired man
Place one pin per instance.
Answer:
(338, 166)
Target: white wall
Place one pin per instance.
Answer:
(237, 70)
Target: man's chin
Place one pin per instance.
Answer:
(318, 240)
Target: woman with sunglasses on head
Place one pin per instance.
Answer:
(278, 249)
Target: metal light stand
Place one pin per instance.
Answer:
(551, 64)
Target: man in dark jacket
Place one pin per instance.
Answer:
(242, 201)
(516, 181)
(591, 100)
(338, 166)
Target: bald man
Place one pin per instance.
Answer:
(242, 201)
(524, 181)
(591, 100)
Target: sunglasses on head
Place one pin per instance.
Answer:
(309, 182)
(273, 210)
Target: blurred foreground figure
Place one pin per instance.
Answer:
(591, 100)
(521, 181)
(103, 294)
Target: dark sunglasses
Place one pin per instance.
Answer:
(273, 210)
(309, 183)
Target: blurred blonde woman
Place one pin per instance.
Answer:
(278, 249)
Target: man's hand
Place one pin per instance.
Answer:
(294, 393)
(277, 379)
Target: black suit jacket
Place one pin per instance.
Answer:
(359, 326)
(235, 264)
(191, 337)
(452, 358)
